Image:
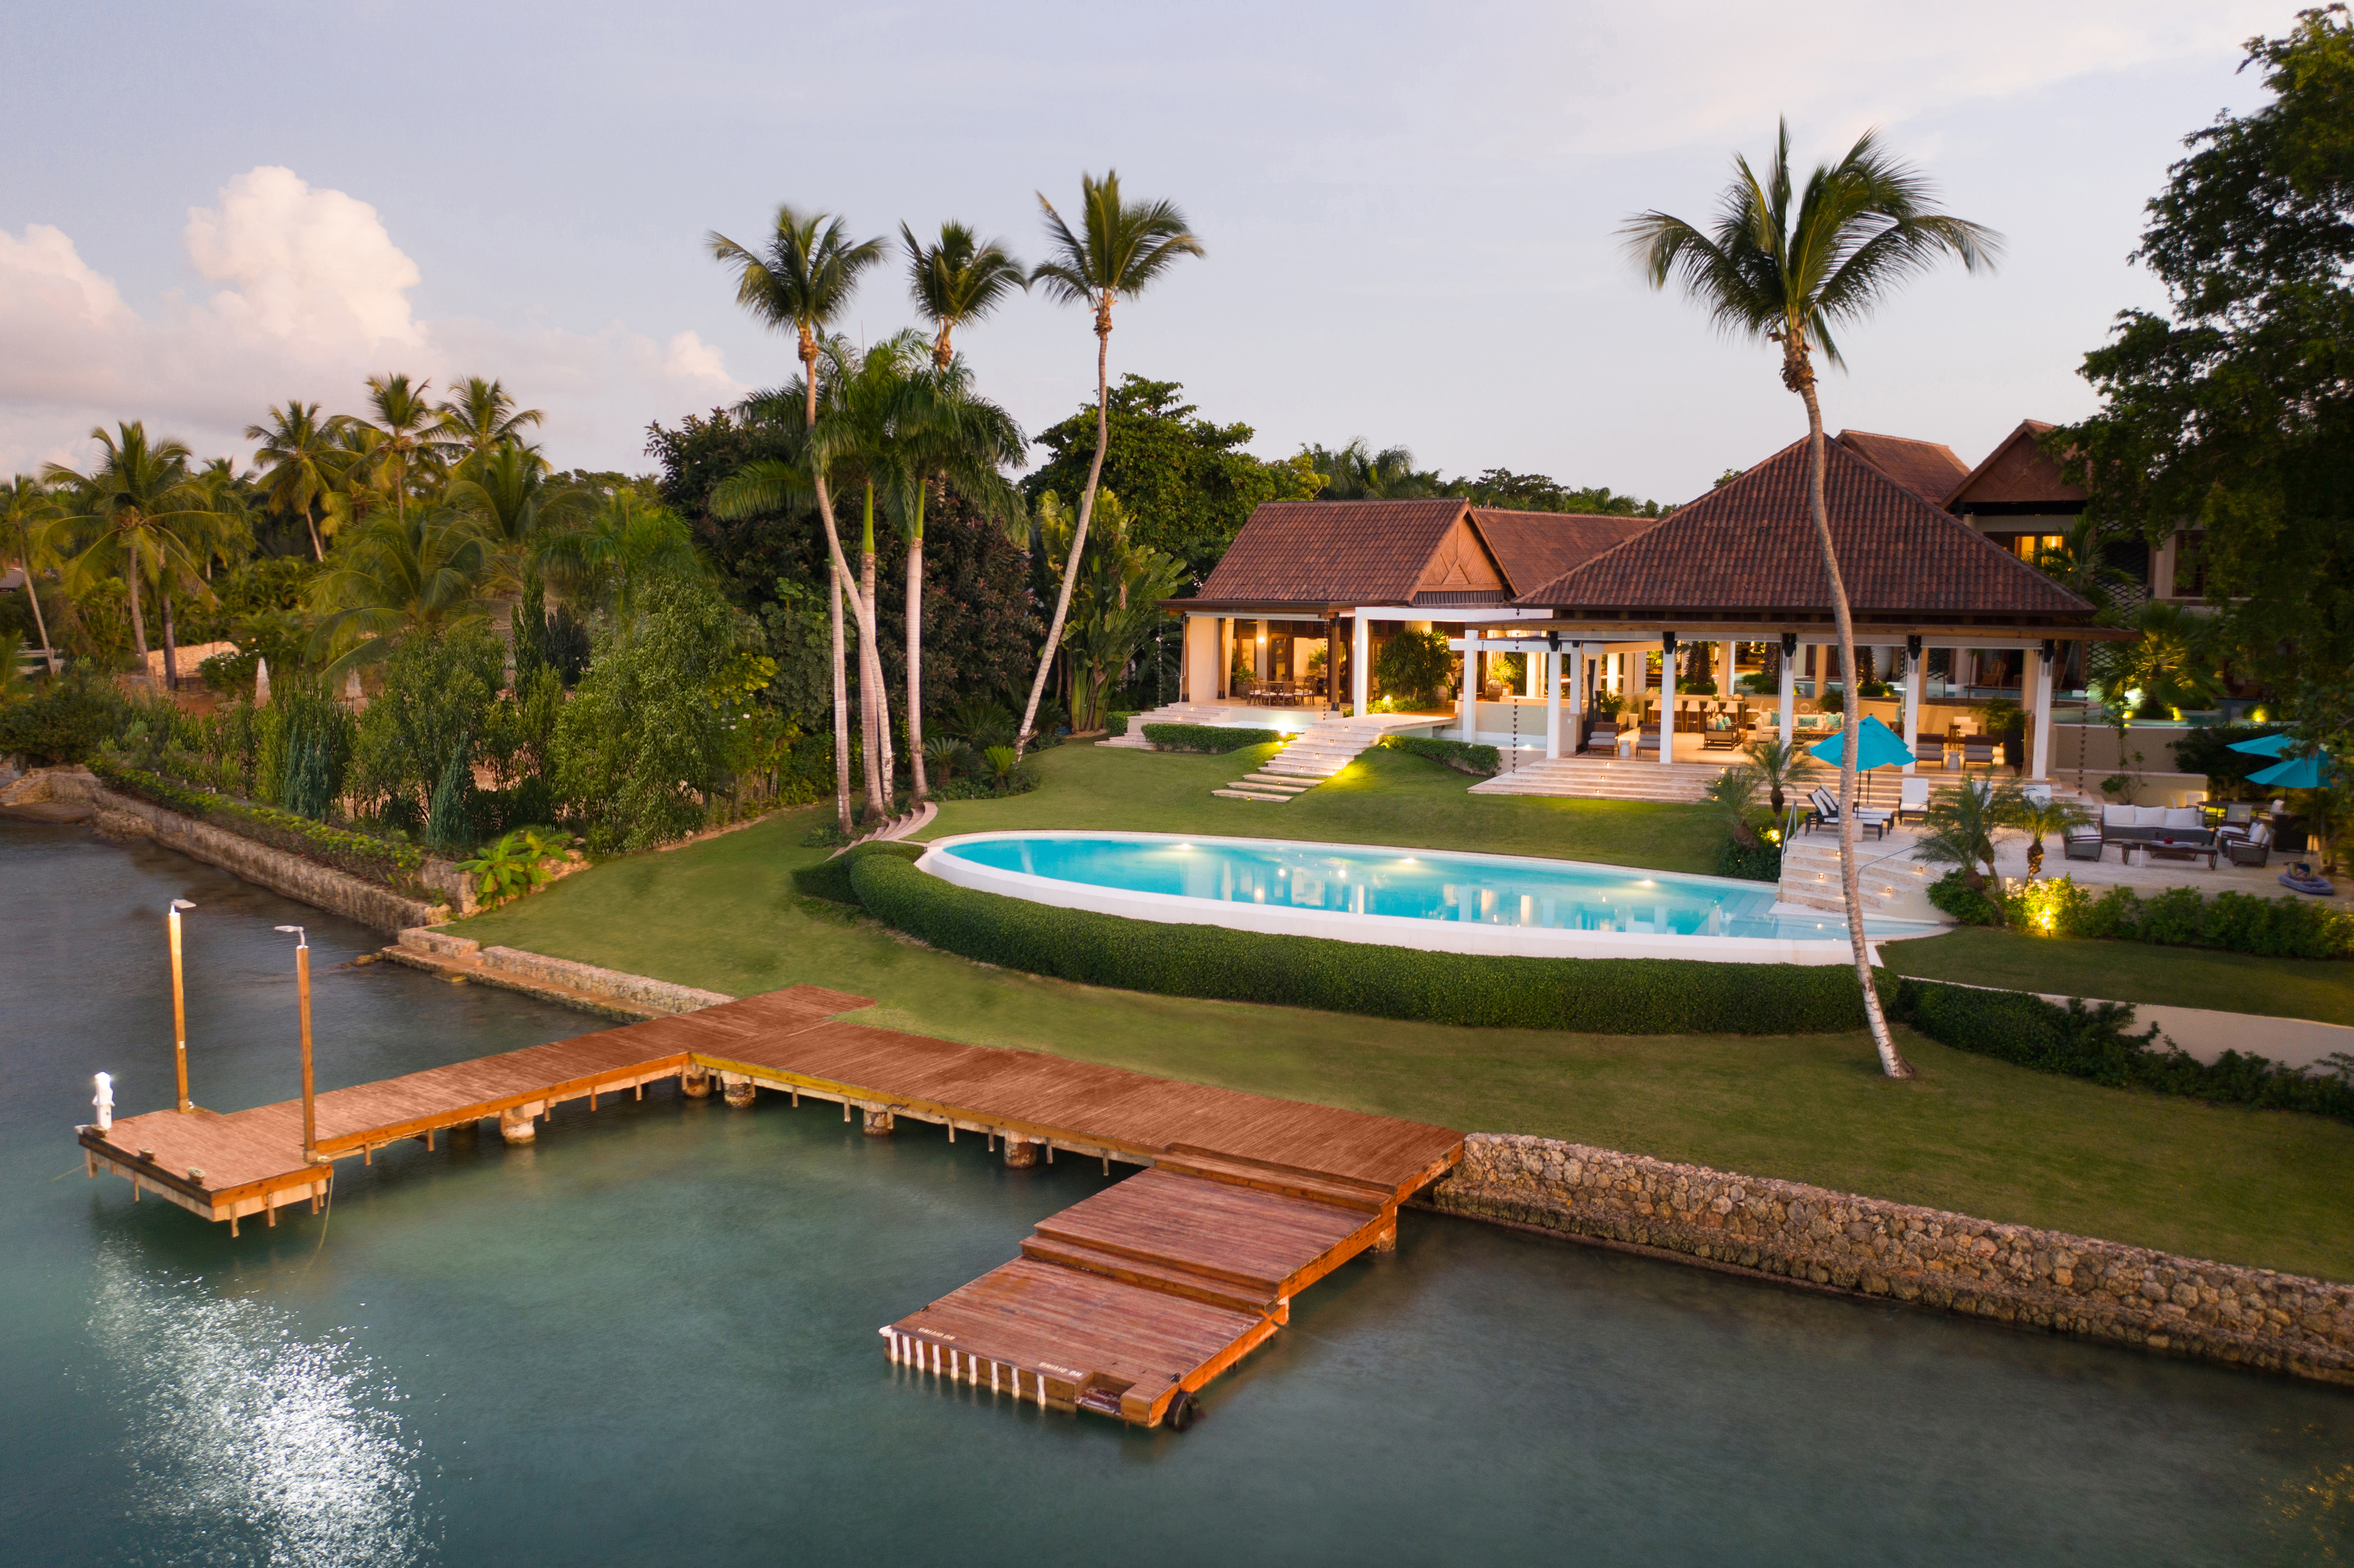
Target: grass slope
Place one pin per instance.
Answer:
(1972, 1135)
(2318, 989)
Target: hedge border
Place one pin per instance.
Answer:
(380, 861)
(830, 878)
(1209, 737)
(1480, 761)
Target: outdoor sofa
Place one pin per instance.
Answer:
(2142, 824)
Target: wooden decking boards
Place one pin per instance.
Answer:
(1121, 1303)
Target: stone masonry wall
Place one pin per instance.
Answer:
(262, 864)
(2046, 1279)
(562, 975)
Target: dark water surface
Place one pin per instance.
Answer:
(651, 1339)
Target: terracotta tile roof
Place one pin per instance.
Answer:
(2017, 473)
(1333, 552)
(1750, 546)
(1928, 469)
(1535, 547)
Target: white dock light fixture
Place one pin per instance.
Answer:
(104, 1100)
(302, 990)
(179, 1007)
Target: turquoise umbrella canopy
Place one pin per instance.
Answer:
(1877, 744)
(2296, 773)
(2268, 745)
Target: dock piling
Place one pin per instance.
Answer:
(880, 1124)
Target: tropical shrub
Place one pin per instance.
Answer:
(1480, 761)
(1955, 895)
(1413, 665)
(1758, 861)
(432, 714)
(382, 860)
(1208, 737)
(64, 724)
(513, 866)
(2230, 922)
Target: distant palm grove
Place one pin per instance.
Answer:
(411, 624)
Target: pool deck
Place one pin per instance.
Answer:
(1123, 1304)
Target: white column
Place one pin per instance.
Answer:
(2038, 685)
(1912, 703)
(1725, 682)
(1467, 699)
(1552, 662)
(1666, 705)
(1790, 691)
(1361, 663)
(1225, 655)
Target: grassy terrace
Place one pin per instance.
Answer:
(1969, 1134)
(2133, 971)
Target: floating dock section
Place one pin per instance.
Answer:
(1125, 1304)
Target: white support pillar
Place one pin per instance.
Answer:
(2038, 685)
(1361, 663)
(1552, 662)
(1225, 656)
(1667, 701)
(1467, 697)
(1912, 735)
(1790, 658)
(1726, 683)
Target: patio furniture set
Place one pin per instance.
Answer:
(1277, 693)
(2188, 833)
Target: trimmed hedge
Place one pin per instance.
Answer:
(1208, 737)
(1480, 761)
(2094, 1043)
(2229, 922)
(1603, 996)
(830, 878)
(381, 861)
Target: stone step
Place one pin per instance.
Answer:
(1268, 781)
(1251, 795)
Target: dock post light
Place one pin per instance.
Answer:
(302, 990)
(179, 1007)
(103, 1101)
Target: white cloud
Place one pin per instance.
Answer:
(310, 297)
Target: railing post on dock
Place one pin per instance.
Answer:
(179, 1008)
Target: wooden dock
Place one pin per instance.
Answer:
(1126, 1303)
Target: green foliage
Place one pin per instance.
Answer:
(513, 866)
(2230, 921)
(1966, 904)
(1751, 862)
(1630, 996)
(1480, 761)
(317, 739)
(830, 878)
(450, 817)
(434, 711)
(1833, 702)
(1411, 667)
(1208, 737)
(1507, 490)
(65, 723)
(1698, 686)
(390, 865)
(2092, 1041)
(643, 743)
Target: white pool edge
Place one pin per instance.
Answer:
(1382, 930)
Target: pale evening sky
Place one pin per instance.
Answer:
(1408, 209)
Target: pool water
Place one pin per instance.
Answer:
(1425, 885)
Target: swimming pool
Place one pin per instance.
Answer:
(1443, 902)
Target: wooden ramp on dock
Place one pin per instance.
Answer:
(1126, 1303)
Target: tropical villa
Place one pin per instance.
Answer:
(1562, 619)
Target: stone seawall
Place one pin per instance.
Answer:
(262, 864)
(2044, 1279)
(609, 991)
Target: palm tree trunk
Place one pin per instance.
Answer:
(1892, 1061)
(922, 786)
(875, 710)
(861, 609)
(171, 644)
(33, 593)
(318, 550)
(841, 702)
(1078, 534)
(138, 620)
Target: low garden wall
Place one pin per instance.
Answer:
(560, 978)
(280, 871)
(2013, 1273)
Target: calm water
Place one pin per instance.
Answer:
(651, 1339)
(1485, 889)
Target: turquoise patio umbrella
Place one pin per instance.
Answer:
(2296, 773)
(1879, 747)
(2267, 745)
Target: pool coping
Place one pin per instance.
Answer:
(1383, 930)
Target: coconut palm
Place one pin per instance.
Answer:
(1357, 472)
(300, 460)
(1117, 253)
(408, 443)
(395, 577)
(803, 279)
(507, 494)
(1769, 271)
(1117, 606)
(30, 509)
(146, 517)
(1782, 766)
(1960, 825)
(481, 420)
(611, 558)
(2172, 664)
(958, 279)
(1734, 795)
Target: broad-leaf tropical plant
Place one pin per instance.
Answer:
(1117, 251)
(1785, 266)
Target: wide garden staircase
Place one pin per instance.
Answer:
(1605, 778)
(1320, 743)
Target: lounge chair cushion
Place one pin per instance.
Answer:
(2182, 817)
(2149, 816)
(2117, 816)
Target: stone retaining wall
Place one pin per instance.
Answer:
(563, 975)
(264, 865)
(2045, 1279)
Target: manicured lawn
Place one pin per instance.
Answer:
(2321, 990)
(1383, 797)
(1969, 1134)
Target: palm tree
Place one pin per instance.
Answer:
(399, 576)
(146, 516)
(1117, 606)
(1782, 766)
(1958, 828)
(1119, 252)
(507, 494)
(481, 419)
(406, 425)
(2039, 818)
(1766, 271)
(1357, 472)
(301, 460)
(803, 280)
(1733, 794)
(960, 279)
(27, 504)
(612, 558)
